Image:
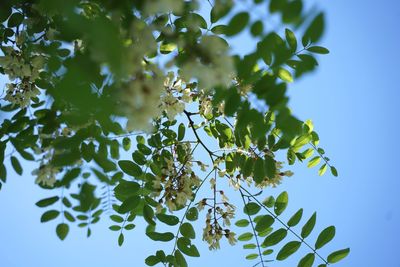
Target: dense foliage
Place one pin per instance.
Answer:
(141, 109)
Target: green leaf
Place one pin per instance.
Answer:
(334, 171)
(15, 20)
(168, 219)
(307, 153)
(248, 167)
(116, 218)
(49, 215)
(139, 158)
(238, 23)
(232, 100)
(166, 48)
(115, 228)
(291, 39)
(249, 246)
(307, 261)
(322, 169)
(309, 226)
(315, 30)
(181, 131)
(3, 172)
(242, 223)
(318, 49)
(187, 230)
(295, 219)
(148, 214)
(325, 236)
(257, 28)
(219, 29)
(301, 141)
(5, 12)
(265, 232)
(16, 165)
(26, 155)
(69, 216)
(259, 173)
(196, 19)
(264, 223)
(144, 149)
(251, 208)
(281, 203)
(164, 237)
(187, 248)
(314, 162)
(62, 230)
(126, 143)
(270, 167)
(130, 168)
(225, 131)
(126, 189)
(47, 201)
(285, 75)
(219, 10)
(252, 256)
(192, 214)
(152, 260)
(129, 226)
(269, 201)
(288, 250)
(245, 237)
(129, 204)
(275, 237)
(268, 252)
(120, 239)
(180, 260)
(338, 255)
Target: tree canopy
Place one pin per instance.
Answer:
(141, 111)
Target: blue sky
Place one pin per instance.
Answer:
(353, 101)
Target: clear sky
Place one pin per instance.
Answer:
(353, 100)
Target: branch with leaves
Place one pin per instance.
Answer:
(101, 96)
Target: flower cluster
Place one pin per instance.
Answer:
(213, 232)
(217, 212)
(176, 95)
(24, 68)
(147, 97)
(216, 67)
(138, 100)
(46, 174)
(176, 184)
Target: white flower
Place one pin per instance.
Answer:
(139, 101)
(231, 238)
(234, 184)
(46, 175)
(221, 173)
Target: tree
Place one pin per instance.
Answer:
(141, 109)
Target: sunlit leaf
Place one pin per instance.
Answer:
(281, 203)
(309, 226)
(288, 250)
(325, 236)
(338, 255)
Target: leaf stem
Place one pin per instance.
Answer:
(284, 224)
(252, 227)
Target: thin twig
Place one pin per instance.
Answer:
(284, 224)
